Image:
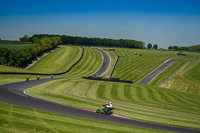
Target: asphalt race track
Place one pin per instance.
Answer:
(157, 71)
(13, 93)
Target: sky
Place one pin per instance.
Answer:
(162, 22)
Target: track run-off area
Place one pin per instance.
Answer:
(13, 93)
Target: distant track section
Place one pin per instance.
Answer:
(47, 73)
(157, 71)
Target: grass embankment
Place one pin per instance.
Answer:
(20, 119)
(139, 102)
(188, 80)
(58, 61)
(133, 67)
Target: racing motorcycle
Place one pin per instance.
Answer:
(105, 110)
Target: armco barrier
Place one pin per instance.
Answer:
(108, 79)
(46, 73)
(114, 66)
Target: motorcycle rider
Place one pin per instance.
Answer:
(107, 105)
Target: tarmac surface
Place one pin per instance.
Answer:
(157, 71)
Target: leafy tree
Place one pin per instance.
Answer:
(170, 47)
(46, 43)
(184, 48)
(149, 46)
(176, 48)
(35, 40)
(56, 40)
(155, 46)
(25, 38)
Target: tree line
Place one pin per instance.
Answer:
(76, 40)
(24, 56)
(194, 48)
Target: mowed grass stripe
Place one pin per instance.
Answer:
(151, 95)
(101, 91)
(127, 92)
(91, 93)
(120, 92)
(114, 93)
(108, 90)
(136, 101)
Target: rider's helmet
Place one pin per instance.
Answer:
(110, 103)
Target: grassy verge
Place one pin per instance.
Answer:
(20, 119)
(139, 102)
(186, 81)
(58, 61)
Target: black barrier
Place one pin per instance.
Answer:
(114, 66)
(108, 79)
(45, 73)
